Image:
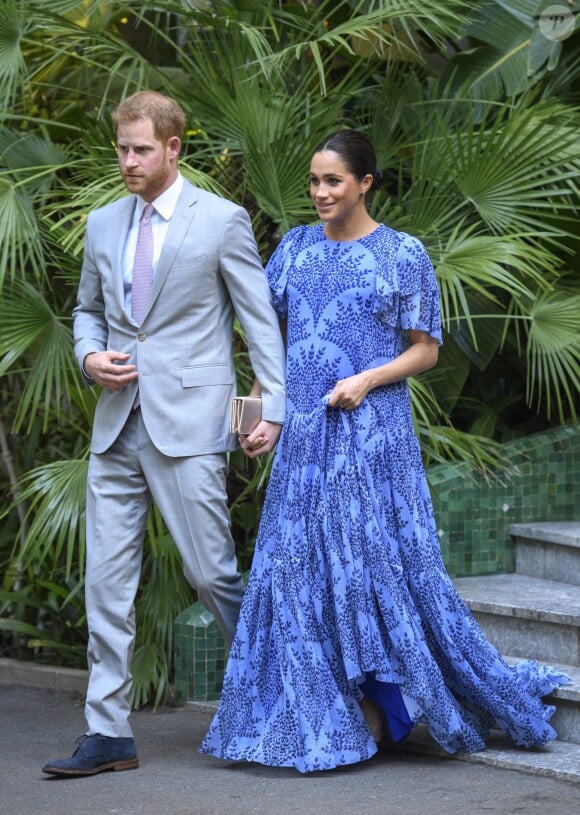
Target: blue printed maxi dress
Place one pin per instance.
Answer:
(348, 593)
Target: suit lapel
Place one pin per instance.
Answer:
(178, 227)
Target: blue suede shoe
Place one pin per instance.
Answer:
(95, 754)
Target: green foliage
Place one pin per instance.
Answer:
(44, 621)
(474, 114)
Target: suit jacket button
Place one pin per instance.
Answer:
(141, 337)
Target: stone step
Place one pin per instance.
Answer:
(559, 759)
(548, 550)
(527, 617)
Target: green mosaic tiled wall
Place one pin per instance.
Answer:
(540, 482)
(200, 655)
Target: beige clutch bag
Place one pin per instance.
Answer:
(246, 414)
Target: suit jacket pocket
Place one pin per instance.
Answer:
(198, 376)
(188, 263)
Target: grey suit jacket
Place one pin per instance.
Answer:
(209, 271)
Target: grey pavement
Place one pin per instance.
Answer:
(40, 723)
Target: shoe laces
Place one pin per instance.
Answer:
(85, 737)
(79, 743)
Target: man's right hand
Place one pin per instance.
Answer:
(108, 369)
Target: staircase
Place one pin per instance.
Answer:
(534, 613)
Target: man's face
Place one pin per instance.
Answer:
(148, 166)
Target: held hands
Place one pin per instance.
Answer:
(108, 369)
(261, 440)
(349, 393)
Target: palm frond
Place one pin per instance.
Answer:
(514, 168)
(54, 495)
(27, 324)
(14, 24)
(442, 444)
(29, 164)
(150, 669)
(380, 26)
(20, 247)
(488, 265)
(553, 354)
(514, 50)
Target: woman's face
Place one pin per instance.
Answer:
(336, 193)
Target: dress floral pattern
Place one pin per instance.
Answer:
(348, 593)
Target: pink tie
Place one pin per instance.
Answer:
(142, 266)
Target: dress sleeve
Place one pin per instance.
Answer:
(277, 274)
(407, 293)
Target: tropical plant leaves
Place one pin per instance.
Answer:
(514, 49)
(488, 181)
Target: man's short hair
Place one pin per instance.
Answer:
(167, 117)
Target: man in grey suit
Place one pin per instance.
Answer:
(161, 427)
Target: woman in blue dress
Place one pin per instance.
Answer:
(351, 628)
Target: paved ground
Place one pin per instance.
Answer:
(174, 779)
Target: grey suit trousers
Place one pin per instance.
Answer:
(190, 492)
